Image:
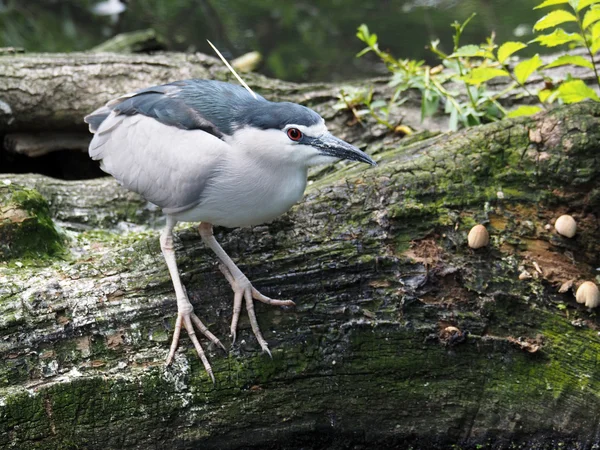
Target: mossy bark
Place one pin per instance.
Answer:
(26, 228)
(377, 262)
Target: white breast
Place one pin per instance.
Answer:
(195, 176)
(247, 192)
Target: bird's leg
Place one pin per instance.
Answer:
(185, 311)
(241, 286)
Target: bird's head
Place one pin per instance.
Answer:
(293, 134)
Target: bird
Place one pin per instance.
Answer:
(216, 153)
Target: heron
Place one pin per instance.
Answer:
(216, 153)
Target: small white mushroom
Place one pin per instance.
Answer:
(478, 237)
(588, 294)
(247, 62)
(566, 226)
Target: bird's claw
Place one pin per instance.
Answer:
(243, 289)
(188, 320)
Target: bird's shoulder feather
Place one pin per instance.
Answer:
(207, 105)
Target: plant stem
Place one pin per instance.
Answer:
(380, 120)
(587, 46)
(351, 107)
(460, 72)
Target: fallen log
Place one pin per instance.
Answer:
(402, 335)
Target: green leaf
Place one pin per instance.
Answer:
(551, 3)
(558, 37)
(595, 31)
(574, 4)
(554, 18)
(453, 122)
(525, 68)
(467, 50)
(378, 104)
(508, 48)
(482, 74)
(595, 38)
(429, 105)
(585, 4)
(363, 33)
(576, 91)
(574, 60)
(545, 94)
(525, 110)
(592, 16)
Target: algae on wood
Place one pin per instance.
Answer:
(26, 228)
(377, 262)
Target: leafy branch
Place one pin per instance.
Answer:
(474, 66)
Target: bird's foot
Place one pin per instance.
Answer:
(243, 289)
(187, 319)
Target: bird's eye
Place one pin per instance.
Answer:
(294, 134)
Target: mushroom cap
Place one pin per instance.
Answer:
(588, 294)
(478, 237)
(566, 226)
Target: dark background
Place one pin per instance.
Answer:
(299, 40)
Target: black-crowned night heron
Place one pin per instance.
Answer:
(212, 152)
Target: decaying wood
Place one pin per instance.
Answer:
(402, 335)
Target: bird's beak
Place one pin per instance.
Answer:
(329, 145)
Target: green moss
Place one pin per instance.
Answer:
(391, 367)
(26, 228)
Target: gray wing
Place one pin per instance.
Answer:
(158, 102)
(166, 142)
(208, 105)
(169, 166)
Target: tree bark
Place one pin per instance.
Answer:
(53, 92)
(401, 336)
(41, 92)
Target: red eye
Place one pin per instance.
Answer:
(294, 134)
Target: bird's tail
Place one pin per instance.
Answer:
(95, 119)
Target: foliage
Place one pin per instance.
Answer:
(476, 67)
(379, 109)
(299, 41)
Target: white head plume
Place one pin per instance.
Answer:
(232, 69)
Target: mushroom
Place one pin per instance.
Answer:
(588, 294)
(478, 237)
(566, 226)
